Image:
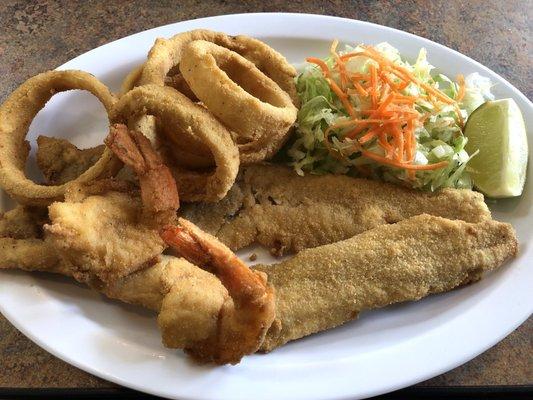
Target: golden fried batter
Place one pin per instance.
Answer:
(102, 236)
(227, 83)
(247, 312)
(23, 222)
(324, 287)
(60, 161)
(16, 114)
(28, 254)
(274, 206)
(177, 278)
(21, 240)
(193, 309)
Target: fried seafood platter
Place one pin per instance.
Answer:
(216, 143)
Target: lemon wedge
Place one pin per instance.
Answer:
(497, 130)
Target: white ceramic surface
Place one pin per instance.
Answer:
(382, 351)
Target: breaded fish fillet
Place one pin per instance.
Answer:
(324, 287)
(28, 254)
(90, 228)
(23, 222)
(188, 299)
(102, 235)
(274, 206)
(21, 241)
(60, 161)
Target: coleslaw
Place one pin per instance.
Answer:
(367, 112)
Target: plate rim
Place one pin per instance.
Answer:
(384, 389)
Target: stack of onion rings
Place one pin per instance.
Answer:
(231, 101)
(258, 139)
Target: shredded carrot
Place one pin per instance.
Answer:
(371, 134)
(462, 88)
(392, 117)
(384, 143)
(340, 94)
(387, 79)
(362, 77)
(340, 65)
(400, 143)
(362, 92)
(373, 85)
(410, 139)
(384, 160)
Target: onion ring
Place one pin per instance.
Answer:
(174, 109)
(131, 80)
(167, 53)
(247, 101)
(16, 115)
(188, 151)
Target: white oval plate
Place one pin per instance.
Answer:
(382, 351)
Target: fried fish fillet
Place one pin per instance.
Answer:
(329, 285)
(188, 299)
(94, 229)
(60, 161)
(21, 241)
(323, 287)
(102, 235)
(23, 222)
(28, 254)
(275, 207)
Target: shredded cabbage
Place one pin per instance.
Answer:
(439, 138)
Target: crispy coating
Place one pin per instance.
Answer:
(28, 255)
(60, 161)
(245, 316)
(23, 222)
(166, 54)
(21, 241)
(178, 82)
(102, 236)
(227, 84)
(317, 289)
(16, 114)
(192, 310)
(131, 80)
(159, 193)
(275, 207)
(326, 286)
(177, 111)
(149, 287)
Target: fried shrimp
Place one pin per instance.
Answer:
(227, 84)
(159, 193)
(247, 314)
(16, 115)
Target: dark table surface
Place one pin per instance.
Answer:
(39, 35)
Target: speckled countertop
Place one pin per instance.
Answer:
(40, 35)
